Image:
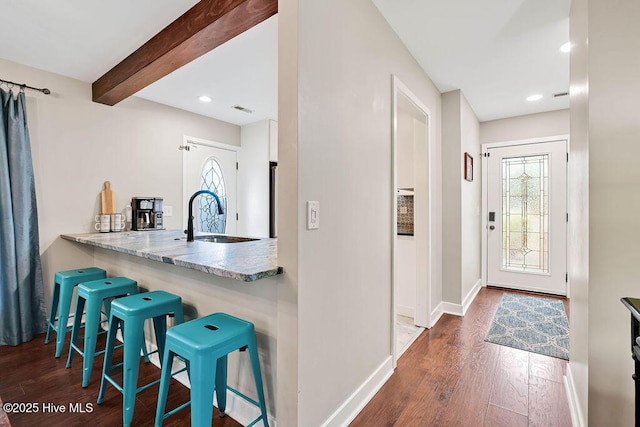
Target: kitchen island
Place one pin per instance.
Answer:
(240, 279)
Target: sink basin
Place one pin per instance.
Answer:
(217, 238)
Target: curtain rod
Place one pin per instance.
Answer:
(24, 86)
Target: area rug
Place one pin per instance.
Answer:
(534, 324)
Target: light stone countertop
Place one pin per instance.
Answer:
(246, 261)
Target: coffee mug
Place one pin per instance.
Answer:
(103, 227)
(118, 222)
(103, 218)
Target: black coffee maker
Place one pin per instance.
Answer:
(146, 213)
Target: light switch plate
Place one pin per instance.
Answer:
(313, 215)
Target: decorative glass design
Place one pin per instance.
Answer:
(207, 216)
(525, 213)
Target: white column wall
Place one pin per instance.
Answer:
(604, 147)
(461, 201)
(344, 162)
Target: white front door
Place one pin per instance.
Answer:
(211, 168)
(527, 217)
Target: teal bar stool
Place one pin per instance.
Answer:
(63, 286)
(95, 294)
(130, 313)
(201, 342)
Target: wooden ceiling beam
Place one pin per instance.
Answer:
(201, 29)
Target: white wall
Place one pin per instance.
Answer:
(609, 66)
(577, 205)
(253, 180)
(551, 123)
(342, 154)
(461, 199)
(288, 384)
(451, 198)
(471, 199)
(78, 144)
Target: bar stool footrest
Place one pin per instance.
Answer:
(244, 396)
(176, 410)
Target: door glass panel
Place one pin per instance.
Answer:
(525, 213)
(208, 218)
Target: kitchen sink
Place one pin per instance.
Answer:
(218, 238)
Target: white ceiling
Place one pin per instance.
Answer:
(497, 51)
(82, 39)
(243, 71)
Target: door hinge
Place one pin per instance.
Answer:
(236, 165)
(567, 157)
(566, 277)
(567, 217)
(237, 217)
(184, 147)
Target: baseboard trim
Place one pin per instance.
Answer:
(237, 408)
(451, 308)
(436, 314)
(351, 407)
(572, 397)
(466, 303)
(459, 309)
(405, 311)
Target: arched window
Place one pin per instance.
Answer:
(212, 180)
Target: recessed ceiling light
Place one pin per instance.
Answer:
(566, 47)
(535, 97)
(204, 98)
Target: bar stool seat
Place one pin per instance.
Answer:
(132, 311)
(201, 342)
(95, 294)
(63, 285)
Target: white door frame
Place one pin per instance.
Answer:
(199, 141)
(424, 239)
(485, 190)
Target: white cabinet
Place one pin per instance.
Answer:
(406, 276)
(405, 151)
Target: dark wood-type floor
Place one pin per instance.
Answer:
(30, 373)
(451, 377)
(448, 377)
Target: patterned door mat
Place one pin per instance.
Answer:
(533, 324)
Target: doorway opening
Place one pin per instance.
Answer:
(209, 165)
(525, 206)
(411, 288)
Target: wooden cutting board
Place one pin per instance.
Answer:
(108, 199)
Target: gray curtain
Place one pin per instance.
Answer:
(22, 311)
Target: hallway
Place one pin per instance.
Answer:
(451, 377)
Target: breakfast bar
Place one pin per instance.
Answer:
(235, 278)
(247, 261)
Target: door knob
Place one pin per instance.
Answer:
(492, 227)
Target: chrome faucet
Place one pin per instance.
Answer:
(189, 229)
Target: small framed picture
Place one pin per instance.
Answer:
(468, 167)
